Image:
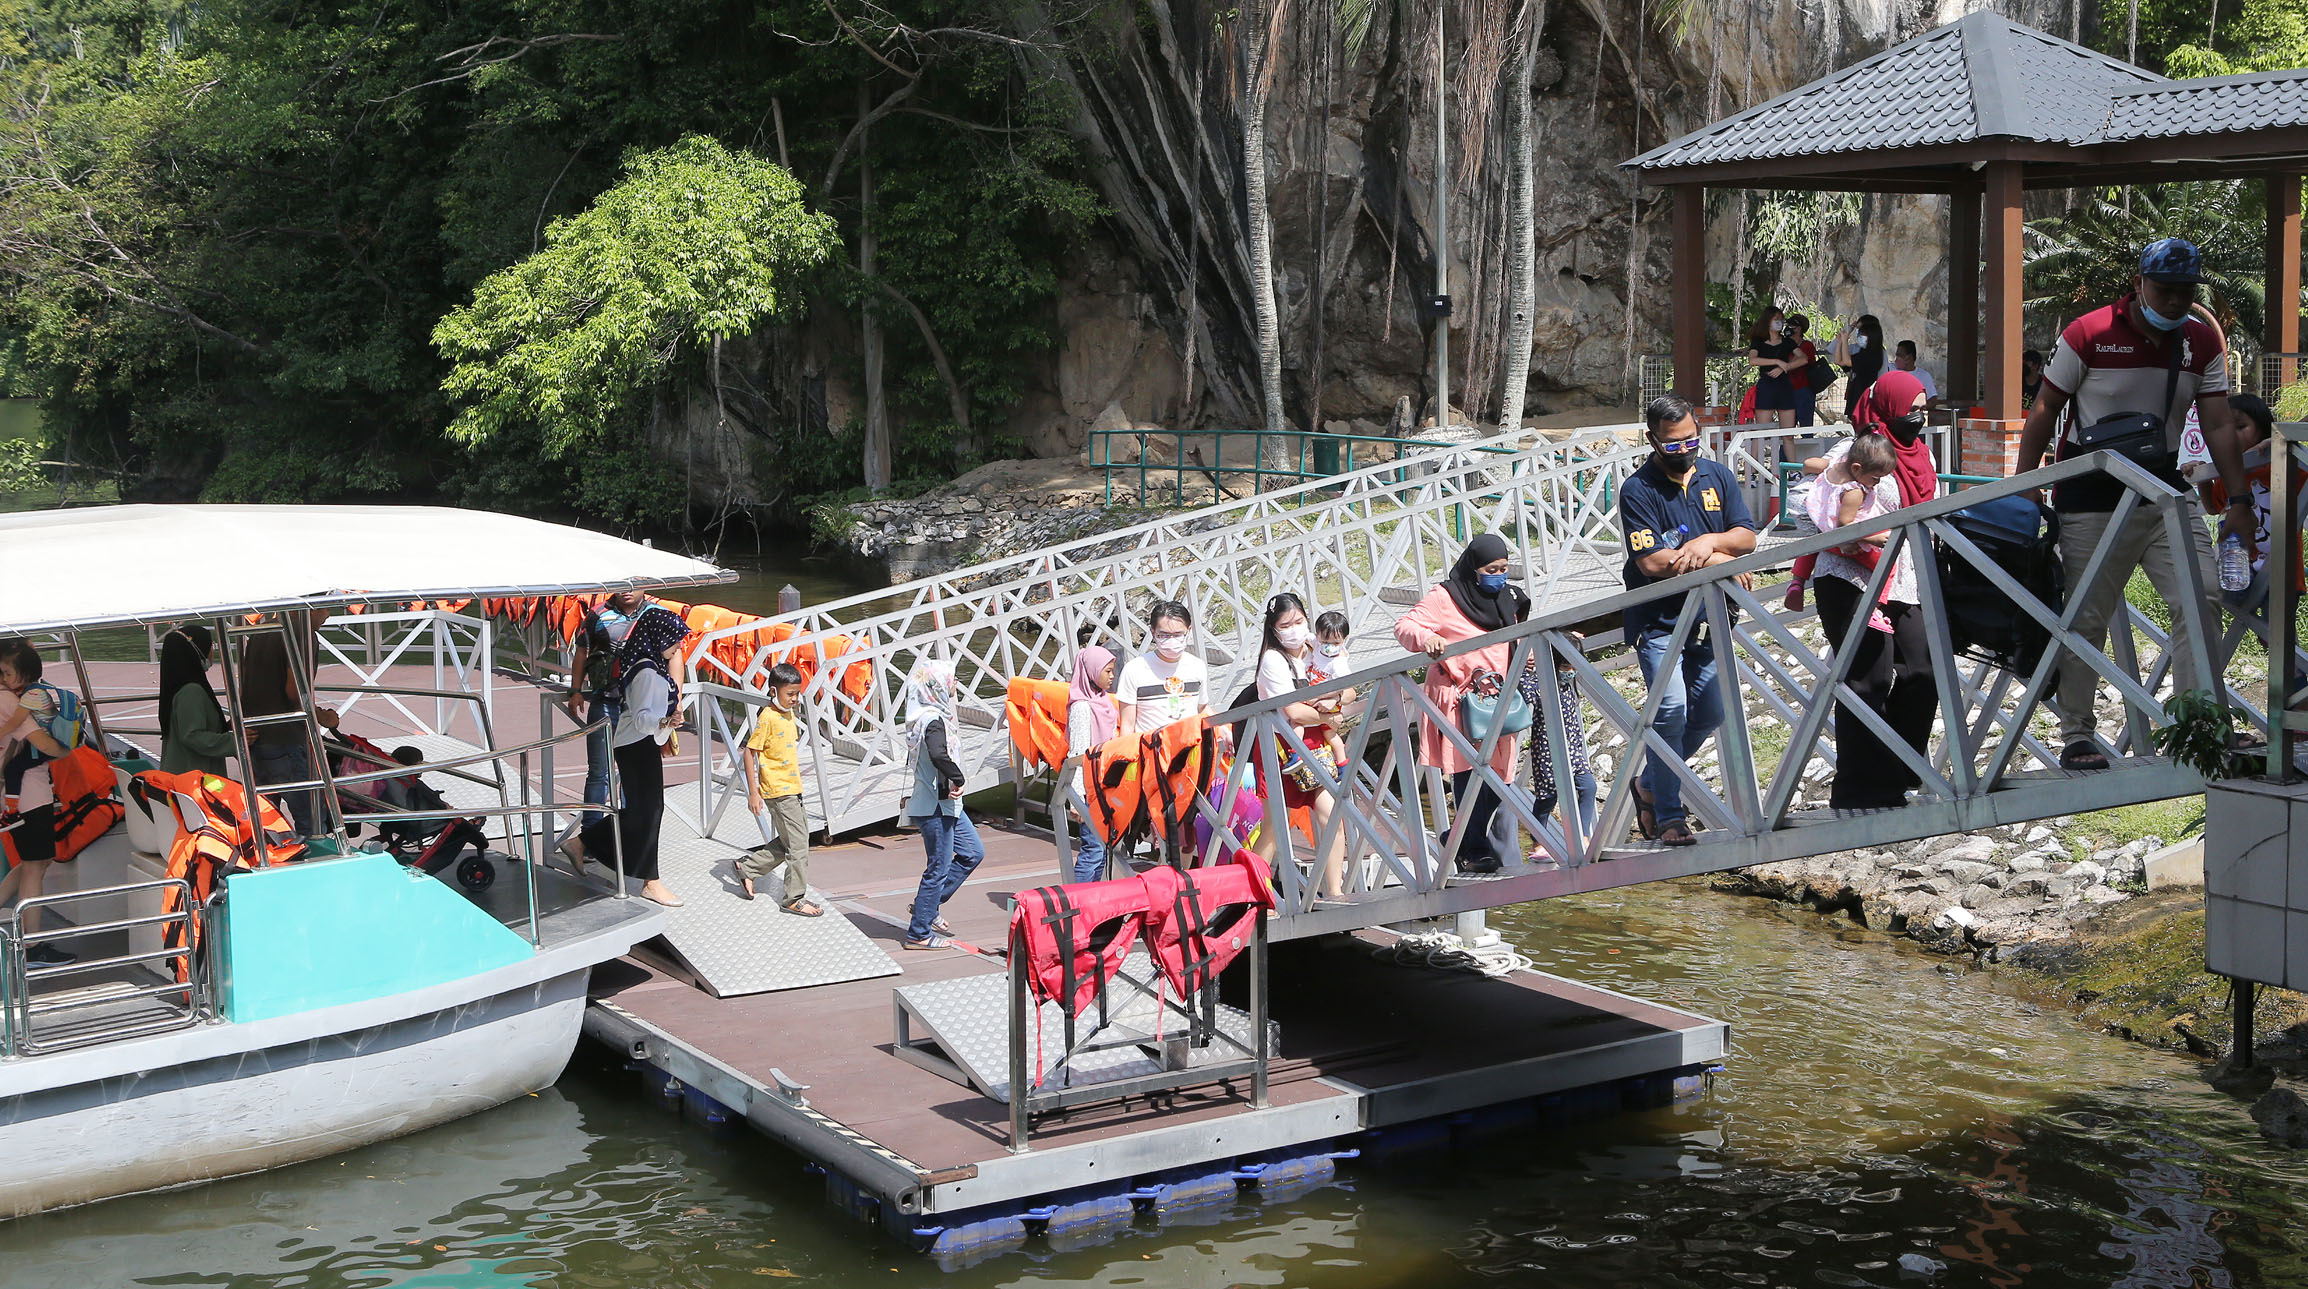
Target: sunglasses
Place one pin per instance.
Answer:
(1677, 447)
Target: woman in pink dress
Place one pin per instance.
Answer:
(1476, 599)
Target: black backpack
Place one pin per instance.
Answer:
(2021, 536)
(600, 656)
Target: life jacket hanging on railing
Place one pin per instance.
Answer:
(1037, 714)
(1175, 768)
(1200, 919)
(85, 809)
(213, 836)
(1075, 937)
(1116, 801)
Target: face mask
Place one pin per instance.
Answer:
(2159, 321)
(1334, 650)
(1907, 427)
(1290, 637)
(1492, 583)
(1170, 647)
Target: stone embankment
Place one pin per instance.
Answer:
(1001, 509)
(1997, 895)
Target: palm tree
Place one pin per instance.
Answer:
(2086, 258)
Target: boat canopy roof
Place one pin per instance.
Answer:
(64, 570)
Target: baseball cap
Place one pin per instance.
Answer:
(2172, 259)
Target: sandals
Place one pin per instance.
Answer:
(932, 941)
(2083, 754)
(941, 927)
(1676, 833)
(802, 908)
(1646, 814)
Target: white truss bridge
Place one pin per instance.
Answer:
(1369, 543)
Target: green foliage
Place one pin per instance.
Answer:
(2267, 35)
(2291, 402)
(2087, 258)
(19, 465)
(695, 244)
(248, 220)
(2202, 734)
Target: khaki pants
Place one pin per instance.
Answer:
(788, 849)
(2142, 545)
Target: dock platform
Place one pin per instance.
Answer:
(1372, 1056)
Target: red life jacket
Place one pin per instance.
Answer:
(1075, 937)
(1200, 919)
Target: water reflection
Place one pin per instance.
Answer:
(1874, 1106)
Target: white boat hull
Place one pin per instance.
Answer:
(232, 1114)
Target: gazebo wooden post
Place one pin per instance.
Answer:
(1689, 291)
(2283, 298)
(1990, 444)
(1962, 299)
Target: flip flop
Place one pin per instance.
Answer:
(933, 942)
(2083, 754)
(802, 908)
(942, 927)
(1676, 834)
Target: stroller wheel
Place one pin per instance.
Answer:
(476, 873)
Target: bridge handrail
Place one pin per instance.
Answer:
(1402, 816)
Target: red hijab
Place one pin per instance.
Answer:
(1891, 398)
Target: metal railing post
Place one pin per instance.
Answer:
(1258, 1011)
(1021, 1079)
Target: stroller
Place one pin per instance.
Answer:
(428, 844)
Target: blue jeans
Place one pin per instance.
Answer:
(1583, 791)
(287, 763)
(951, 844)
(597, 759)
(1688, 715)
(1807, 407)
(1089, 855)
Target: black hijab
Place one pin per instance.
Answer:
(1488, 610)
(184, 661)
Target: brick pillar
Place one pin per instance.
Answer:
(1988, 447)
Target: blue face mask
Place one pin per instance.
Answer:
(1492, 583)
(2159, 321)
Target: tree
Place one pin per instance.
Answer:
(1259, 22)
(1522, 214)
(695, 244)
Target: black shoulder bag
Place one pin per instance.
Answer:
(2138, 436)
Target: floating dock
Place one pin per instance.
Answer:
(1371, 1057)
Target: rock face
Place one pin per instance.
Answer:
(2283, 1117)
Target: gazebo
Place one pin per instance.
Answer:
(1982, 110)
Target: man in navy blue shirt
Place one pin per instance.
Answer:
(1679, 514)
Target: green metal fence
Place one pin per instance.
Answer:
(1291, 457)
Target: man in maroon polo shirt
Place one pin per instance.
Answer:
(2110, 362)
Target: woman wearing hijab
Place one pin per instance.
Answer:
(1091, 719)
(949, 841)
(651, 709)
(1474, 600)
(193, 732)
(1895, 682)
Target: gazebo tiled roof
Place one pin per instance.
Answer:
(1980, 77)
(2215, 105)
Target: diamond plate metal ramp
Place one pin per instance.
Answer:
(737, 946)
(960, 1029)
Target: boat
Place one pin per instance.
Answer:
(306, 1007)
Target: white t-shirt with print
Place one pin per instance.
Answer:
(1163, 691)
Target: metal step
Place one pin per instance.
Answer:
(739, 946)
(959, 1029)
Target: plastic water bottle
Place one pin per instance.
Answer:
(2235, 569)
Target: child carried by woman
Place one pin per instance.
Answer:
(1855, 487)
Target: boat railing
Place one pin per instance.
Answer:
(40, 1014)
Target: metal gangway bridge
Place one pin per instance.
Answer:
(1369, 543)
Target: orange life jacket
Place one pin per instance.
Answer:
(1110, 780)
(1177, 760)
(221, 840)
(85, 806)
(1037, 715)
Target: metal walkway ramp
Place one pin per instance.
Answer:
(737, 946)
(959, 1028)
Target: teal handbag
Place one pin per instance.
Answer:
(1503, 709)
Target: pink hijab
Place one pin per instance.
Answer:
(1105, 718)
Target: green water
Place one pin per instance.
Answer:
(1874, 1104)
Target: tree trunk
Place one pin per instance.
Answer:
(877, 412)
(1522, 232)
(1257, 80)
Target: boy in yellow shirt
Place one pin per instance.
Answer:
(773, 790)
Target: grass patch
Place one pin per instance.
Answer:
(2170, 820)
(2139, 971)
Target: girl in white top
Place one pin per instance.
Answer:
(1169, 684)
(1856, 486)
(1283, 659)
